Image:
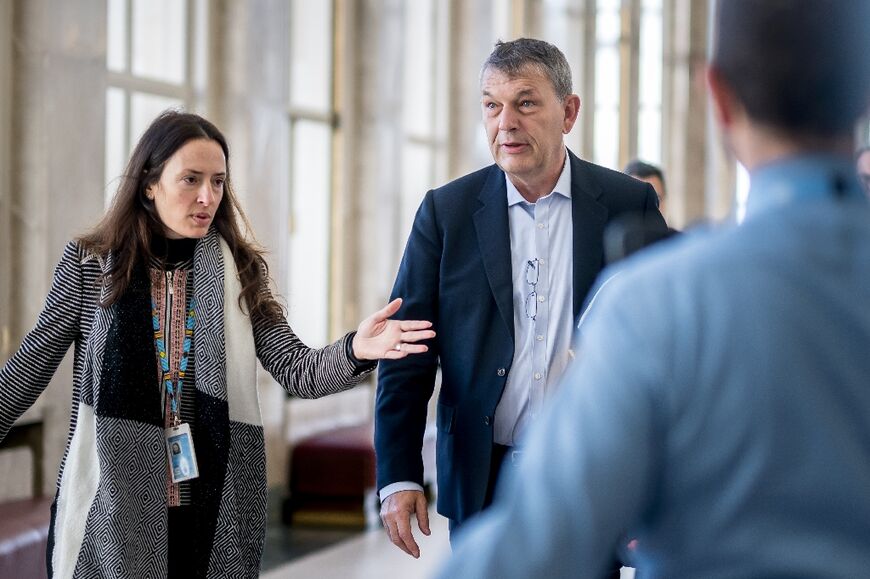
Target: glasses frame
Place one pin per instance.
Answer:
(531, 302)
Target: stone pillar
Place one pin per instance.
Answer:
(372, 146)
(685, 120)
(56, 184)
(5, 176)
(473, 38)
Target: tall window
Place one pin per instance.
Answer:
(607, 77)
(649, 125)
(153, 58)
(424, 114)
(311, 150)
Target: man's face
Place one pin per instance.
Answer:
(524, 122)
(863, 168)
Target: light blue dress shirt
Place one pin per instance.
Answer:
(718, 410)
(542, 252)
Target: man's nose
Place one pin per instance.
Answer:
(507, 119)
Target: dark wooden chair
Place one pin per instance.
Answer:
(24, 522)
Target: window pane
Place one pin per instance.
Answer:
(116, 49)
(311, 55)
(116, 147)
(651, 57)
(649, 136)
(144, 108)
(308, 285)
(607, 137)
(417, 178)
(607, 25)
(160, 39)
(607, 77)
(418, 68)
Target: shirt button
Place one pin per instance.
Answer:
(540, 338)
(541, 298)
(486, 420)
(540, 225)
(537, 375)
(500, 372)
(542, 261)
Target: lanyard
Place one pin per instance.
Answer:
(173, 390)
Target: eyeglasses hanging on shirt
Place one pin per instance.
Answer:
(531, 302)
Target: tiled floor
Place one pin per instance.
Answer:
(370, 555)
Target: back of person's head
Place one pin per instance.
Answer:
(799, 67)
(514, 57)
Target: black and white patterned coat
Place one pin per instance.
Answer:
(109, 515)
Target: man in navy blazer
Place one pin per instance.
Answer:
(501, 261)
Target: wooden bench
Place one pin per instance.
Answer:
(24, 523)
(332, 476)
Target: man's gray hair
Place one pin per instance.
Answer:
(515, 56)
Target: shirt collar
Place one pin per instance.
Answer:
(801, 178)
(563, 185)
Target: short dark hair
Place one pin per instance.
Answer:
(638, 168)
(797, 66)
(515, 56)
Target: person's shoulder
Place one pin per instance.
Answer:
(78, 252)
(467, 185)
(693, 254)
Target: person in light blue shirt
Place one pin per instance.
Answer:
(718, 408)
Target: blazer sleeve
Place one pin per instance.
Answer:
(302, 371)
(405, 386)
(29, 370)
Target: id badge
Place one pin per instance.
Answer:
(182, 458)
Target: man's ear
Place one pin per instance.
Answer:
(572, 111)
(725, 104)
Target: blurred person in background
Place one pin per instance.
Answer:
(649, 173)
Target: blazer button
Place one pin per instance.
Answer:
(500, 372)
(486, 420)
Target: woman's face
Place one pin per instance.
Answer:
(190, 189)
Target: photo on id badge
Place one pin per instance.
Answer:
(182, 459)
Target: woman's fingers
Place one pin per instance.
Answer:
(409, 325)
(406, 349)
(417, 335)
(388, 310)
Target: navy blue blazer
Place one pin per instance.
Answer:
(456, 271)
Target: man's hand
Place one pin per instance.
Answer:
(396, 511)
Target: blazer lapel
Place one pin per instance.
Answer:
(493, 237)
(589, 218)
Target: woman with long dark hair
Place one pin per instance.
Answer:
(169, 308)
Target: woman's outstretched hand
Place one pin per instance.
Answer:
(380, 337)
